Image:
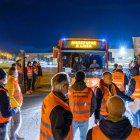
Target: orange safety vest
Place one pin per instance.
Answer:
(29, 71)
(19, 69)
(50, 102)
(17, 90)
(119, 79)
(35, 69)
(97, 134)
(106, 95)
(80, 103)
(136, 93)
(2, 119)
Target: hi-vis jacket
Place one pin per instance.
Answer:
(119, 80)
(14, 91)
(50, 102)
(19, 69)
(106, 96)
(97, 134)
(3, 119)
(136, 93)
(29, 71)
(80, 103)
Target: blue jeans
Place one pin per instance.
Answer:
(4, 133)
(16, 125)
(136, 119)
(83, 128)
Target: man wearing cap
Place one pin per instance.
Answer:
(6, 112)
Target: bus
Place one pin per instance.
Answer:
(86, 54)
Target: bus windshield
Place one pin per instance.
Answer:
(88, 55)
(91, 62)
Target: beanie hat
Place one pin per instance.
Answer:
(2, 73)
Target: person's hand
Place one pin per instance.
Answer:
(96, 121)
(16, 109)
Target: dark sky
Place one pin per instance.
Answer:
(37, 25)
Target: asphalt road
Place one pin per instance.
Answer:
(31, 116)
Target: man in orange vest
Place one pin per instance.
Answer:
(82, 103)
(6, 112)
(119, 78)
(20, 71)
(35, 74)
(56, 118)
(134, 92)
(16, 100)
(106, 90)
(115, 126)
(29, 77)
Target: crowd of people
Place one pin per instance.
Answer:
(69, 107)
(32, 75)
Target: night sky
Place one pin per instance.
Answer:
(37, 25)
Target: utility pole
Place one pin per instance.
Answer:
(22, 54)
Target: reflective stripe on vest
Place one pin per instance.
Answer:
(2, 119)
(49, 103)
(136, 93)
(17, 91)
(29, 71)
(105, 98)
(118, 79)
(80, 103)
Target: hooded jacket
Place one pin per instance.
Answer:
(119, 130)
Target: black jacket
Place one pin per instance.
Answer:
(5, 107)
(99, 95)
(61, 119)
(119, 130)
(39, 71)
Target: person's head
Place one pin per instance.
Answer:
(13, 72)
(60, 83)
(115, 66)
(94, 61)
(38, 64)
(29, 63)
(80, 76)
(34, 63)
(120, 67)
(18, 62)
(13, 65)
(115, 107)
(107, 78)
(3, 76)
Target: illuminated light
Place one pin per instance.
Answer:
(103, 40)
(94, 43)
(64, 39)
(122, 49)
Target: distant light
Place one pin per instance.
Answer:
(122, 49)
(103, 40)
(64, 39)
